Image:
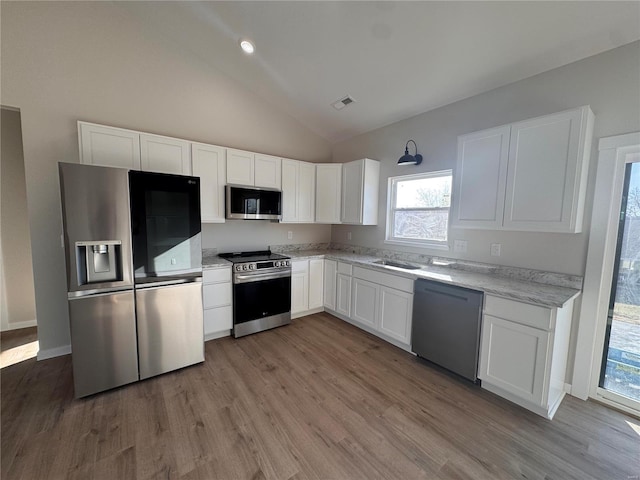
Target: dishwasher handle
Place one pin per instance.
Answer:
(453, 291)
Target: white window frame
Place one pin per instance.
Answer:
(391, 196)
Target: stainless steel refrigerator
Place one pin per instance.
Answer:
(134, 274)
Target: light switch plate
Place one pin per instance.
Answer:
(290, 235)
(460, 246)
(348, 235)
(495, 249)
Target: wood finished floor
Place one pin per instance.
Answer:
(318, 399)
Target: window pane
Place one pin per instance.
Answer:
(423, 192)
(431, 225)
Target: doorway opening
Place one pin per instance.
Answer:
(17, 295)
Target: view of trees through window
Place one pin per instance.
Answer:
(420, 207)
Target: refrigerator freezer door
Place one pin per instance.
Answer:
(103, 341)
(170, 328)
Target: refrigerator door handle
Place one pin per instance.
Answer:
(167, 283)
(97, 292)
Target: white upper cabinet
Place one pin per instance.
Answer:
(109, 146)
(298, 191)
(267, 171)
(528, 176)
(328, 192)
(253, 169)
(165, 154)
(547, 175)
(240, 167)
(360, 186)
(209, 162)
(481, 174)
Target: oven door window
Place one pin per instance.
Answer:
(261, 299)
(165, 212)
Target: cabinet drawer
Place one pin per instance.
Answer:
(216, 275)
(386, 279)
(523, 313)
(216, 295)
(218, 320)
(300, 266)
(345, 268)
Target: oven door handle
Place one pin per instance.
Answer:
(260, 277)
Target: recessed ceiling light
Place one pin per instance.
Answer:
(247, 46)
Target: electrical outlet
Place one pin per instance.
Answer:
(173, 261)
(495, 249)
(290, 235)
(460, 246)
(348, 235)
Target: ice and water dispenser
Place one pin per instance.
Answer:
(99, 261)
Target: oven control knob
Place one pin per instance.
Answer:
(238, 268)
(244, 267)
(287, 263)
(251, 266)
(276, 264)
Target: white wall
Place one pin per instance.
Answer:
(609, 82)
(63, 62)
(18, 309)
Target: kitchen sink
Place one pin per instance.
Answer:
(392, 263)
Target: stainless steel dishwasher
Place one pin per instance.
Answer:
(446, 326)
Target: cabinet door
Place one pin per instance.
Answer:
(513, 357)
(395, 309)
(480, 179)
(108, 146)
(299, 292)
(329, 290)
(352, 184)
(545, 173)
(306, 192)
(316, 282)
(240, 166)
(343, 295)
(290, 170)
(218, 319)
(328, 192)
(365, 302)
(165, 155)
(210, 164)
(267, 171)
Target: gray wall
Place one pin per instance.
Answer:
(63, 62)
(609, 82)
(19, 309)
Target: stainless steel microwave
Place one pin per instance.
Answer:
(249, 203)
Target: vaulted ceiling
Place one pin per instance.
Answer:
(396, 59)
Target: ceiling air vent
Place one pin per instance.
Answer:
(343, 102)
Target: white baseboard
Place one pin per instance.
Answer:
(54, 352)
(307, 312)
(18, 325)
(567, 388)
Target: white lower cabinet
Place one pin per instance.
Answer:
(330, 279)
(523, 352)
(216, 299)
(395, 308)
(365, 302)
(306, 286)
(343, 289)
(382, 303)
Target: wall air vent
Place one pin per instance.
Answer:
(343, 102)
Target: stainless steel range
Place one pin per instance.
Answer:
(261, 291)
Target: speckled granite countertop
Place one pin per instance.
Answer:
(525, 291)
(210, 262)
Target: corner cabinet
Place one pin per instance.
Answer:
(528, 176)
(360, 187)
(298, 191)
(523, 352)
(328, 192)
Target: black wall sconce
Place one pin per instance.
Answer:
(407, 159)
